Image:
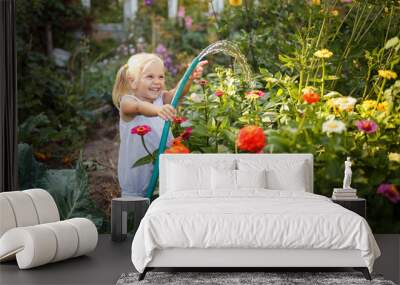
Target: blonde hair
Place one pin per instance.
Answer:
(133, 71)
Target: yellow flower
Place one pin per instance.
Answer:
(235, 2)
(384, 106)
(387, 74)
(334, 12)
(323, 53)
(394, 156)
(369, 104)
(316, 2)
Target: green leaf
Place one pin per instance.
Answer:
(331, 77)
(69, 188)
(392, 42)
(145, 160)
(29, 170)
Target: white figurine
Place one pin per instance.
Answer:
(347, 174)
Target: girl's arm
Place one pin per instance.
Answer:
(132, 108)
(169, 95)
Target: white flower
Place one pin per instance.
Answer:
(333, 126)
(196, 97)
(344, 103)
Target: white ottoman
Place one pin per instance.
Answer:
(31, 230)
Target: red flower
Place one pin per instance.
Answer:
(254, 94)
(140, 130)
(186, 134)
(251, 138)
(219, 93)
(311, 97)
(179, 120)
(389, 191)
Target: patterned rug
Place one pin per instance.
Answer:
(243, 278)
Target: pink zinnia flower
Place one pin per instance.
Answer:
(254, 94)
(367, 126)
(219, 93)
(140, 130)
(389, 191)
(188, 22)
(186, 133)
(179, 120)
(181, 12)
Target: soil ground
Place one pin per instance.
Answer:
(100, 157)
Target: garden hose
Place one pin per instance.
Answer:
(167, 125)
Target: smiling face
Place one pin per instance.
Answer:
(151, 82)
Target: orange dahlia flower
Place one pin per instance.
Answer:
(311, 97)
(177, 147)
(251, 138)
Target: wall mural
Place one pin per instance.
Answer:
(92, 107)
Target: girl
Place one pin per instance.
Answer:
(139, 94)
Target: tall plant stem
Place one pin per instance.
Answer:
(366, 81)
(320, 32)
(250, 31)
(205, 110)
(145, 147)
(359, 38)
(350, 41)
(380, 92)
(216, 20)
(366, 18)
(323, 77)
(301, 82)
(342, 22)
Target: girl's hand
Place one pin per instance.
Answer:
(198, 72)
(166, 112)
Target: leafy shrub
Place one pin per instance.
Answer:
(67, 186)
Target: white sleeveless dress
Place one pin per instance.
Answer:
(134, 181)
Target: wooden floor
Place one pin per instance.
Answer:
(110, 260)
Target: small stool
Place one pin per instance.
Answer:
(120, 207)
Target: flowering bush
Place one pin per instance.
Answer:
(227, 115)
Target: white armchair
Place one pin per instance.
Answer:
(31, 230)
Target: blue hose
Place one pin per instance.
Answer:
(167, 125)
